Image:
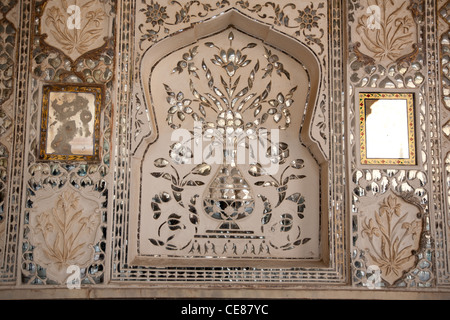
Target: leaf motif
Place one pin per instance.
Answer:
(306, 240)
(157, 174)
(193, 183)
(266, 219)
(161, 163)
(156, 242)
(194, 219)
(256, 170)
(202, 169)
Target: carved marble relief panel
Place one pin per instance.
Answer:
(75, 28)
(64, 229)
(390, 206)
(64, 220)
(390, 233)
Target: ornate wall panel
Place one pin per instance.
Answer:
(65, 214)
(230, 70)
(443, 224)
(13, 73)
(411, 66)
(187, 88)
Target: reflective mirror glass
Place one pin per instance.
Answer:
(387, 128)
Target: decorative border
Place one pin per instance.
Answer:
(409, 97)
(98, 91)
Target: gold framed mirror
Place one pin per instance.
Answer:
(387, 128)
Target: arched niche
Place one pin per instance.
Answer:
(190, 211)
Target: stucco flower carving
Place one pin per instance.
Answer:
(386, 30)
(60, 30)
(392, 238)
(64, 233)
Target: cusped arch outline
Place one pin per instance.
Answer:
(258, 30)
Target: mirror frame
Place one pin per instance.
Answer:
(410, 96)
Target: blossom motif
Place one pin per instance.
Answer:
(308, 18)
(274, 64)
(230, 60)
(155, 13)
(406, 23)
(279, 107)
(179, 105)
(412, 228)
(390, 206)
(370, 229)
(180, 154)
(392, 239)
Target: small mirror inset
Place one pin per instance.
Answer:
(387, 128)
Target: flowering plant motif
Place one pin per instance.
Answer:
(229, 104)
(64, 235)
(280, 184)
(392, 35)
(231, 87)
(309, 17)
(76, 41)
(392, 238)
(179, 183)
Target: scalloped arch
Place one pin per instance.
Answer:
(266, 33)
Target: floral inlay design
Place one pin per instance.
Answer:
(231, 95)
(393, 237)
(61, 29)
(159, 18)
(228, 93)
(64, 233)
